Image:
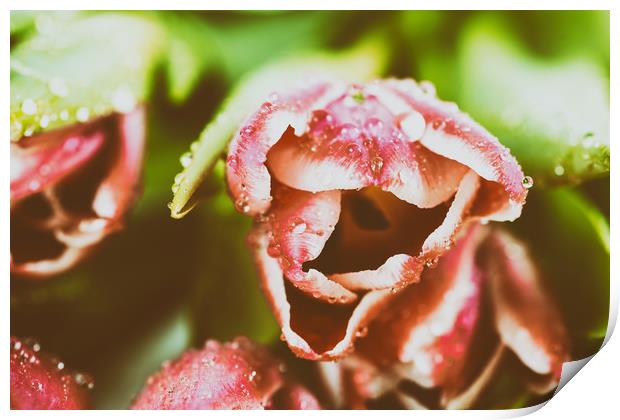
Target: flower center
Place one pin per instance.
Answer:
(375, 225)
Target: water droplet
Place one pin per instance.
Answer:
(298, 226)
(64, 115)
(123, 99)
(175, 188)
(362, 332)
(179, 178)
(60, 366)
(17, 345)
(438, 124)
(34, 185)
(351, 148)
(528, 182)
(29, 107)
(44, 121)
(82, 114)
(428, 88)
(376, 164)
(170, 205)
(252, 375)
(58, 87)
(186, 159)
(71, 144)
(374, 126)
(80, 379)
(194, 146)
(432, 263)
(36, 347)
(559, 170)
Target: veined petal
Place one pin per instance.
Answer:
(235, 375)
(527, 320)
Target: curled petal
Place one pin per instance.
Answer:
(527, 320)
(247, 176)
(236, 375)
(299, 224)
(313, 329)
(38, 382)
(451, 133)
(427, 330)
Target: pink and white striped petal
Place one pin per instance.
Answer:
(427, 331)
(528, 322)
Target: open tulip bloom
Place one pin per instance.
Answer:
(358, 217)
(356, 189)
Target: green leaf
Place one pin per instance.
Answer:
(191, 51)
(553, 114)
(569, 238)
(358, 64)
(79, 69)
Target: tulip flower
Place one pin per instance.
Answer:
(355, 189)
(40, 382)
(235, 375)
(434, 334)
(70, 188)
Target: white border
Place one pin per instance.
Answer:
(594, 394)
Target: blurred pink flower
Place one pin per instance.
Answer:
(235, 375)
(70, 188)
(355, 189)
(40, 382)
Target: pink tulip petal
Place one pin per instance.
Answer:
(236, 375)
(428, 329)
(312, 328)
(527, 320)
(40, 383)
(40, 161)
(451, 133)
(247, 176)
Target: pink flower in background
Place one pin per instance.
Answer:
(356, 189)
(70, 188)
(235, 375)
(481, 305)
(40, 382)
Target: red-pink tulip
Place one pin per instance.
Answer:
(70, 188)
(432, 332)
(355, 189)
(40, 382)
(235, 375)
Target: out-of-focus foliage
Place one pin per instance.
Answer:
(553, 114)
(161, 285)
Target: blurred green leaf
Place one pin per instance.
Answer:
(77, 70)
(554, 115)
(358, 64)
(228, 302)
(570, 241)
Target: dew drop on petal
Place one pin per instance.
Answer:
(528, 182)
(82, 114)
